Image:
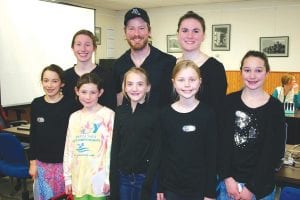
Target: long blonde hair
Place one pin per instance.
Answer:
(136, 70)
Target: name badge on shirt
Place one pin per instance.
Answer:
(40, 119)
(188, 128)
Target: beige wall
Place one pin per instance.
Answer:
(106, 19)
(249, 21)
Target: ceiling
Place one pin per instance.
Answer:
(127, 4)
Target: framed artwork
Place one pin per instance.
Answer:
(98, 35)
(274, 46)
(221, 37)
(172, 44)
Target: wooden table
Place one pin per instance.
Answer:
(17, 132)
(23, 135)
(288, 175)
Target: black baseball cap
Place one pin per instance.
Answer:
(136, 12)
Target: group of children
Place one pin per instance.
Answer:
(140, 151)
(177, 144)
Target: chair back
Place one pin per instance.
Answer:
(290, 193)
(11, 150)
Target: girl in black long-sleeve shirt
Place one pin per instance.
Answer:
(253, 140)
(188, 168)
(136, 141)
(48, 128)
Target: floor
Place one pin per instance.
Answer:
(8, 193)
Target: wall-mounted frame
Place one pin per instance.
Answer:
(221, 37)
(172, 44)
(98, 35)
(274, 46)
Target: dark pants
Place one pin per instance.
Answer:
(131, 186)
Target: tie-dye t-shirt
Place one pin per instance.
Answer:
(87, 152)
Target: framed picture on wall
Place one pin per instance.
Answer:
(274, 46)
(221, 37)
(98, 35)
(172, 44)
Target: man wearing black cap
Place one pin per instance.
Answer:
(158, 64)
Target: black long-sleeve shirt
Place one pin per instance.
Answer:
(214, 85)
(108, 98)
(135, 145)
(48, 129)
(189, 152)
(213, 90)
(253, 143)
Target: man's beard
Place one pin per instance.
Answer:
(138, 46)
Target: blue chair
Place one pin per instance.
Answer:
(290, 193)
(13, 161)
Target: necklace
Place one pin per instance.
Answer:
(53, 100)
(185, 108)
(82, 69)
(198, 59)
(254, 100)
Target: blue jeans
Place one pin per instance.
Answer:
(173, 196)
(223, 195)
(131, 186)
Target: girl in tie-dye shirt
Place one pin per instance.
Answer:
(87, 149)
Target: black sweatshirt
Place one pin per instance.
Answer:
(135, 145)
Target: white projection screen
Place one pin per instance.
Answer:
(33, 35)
